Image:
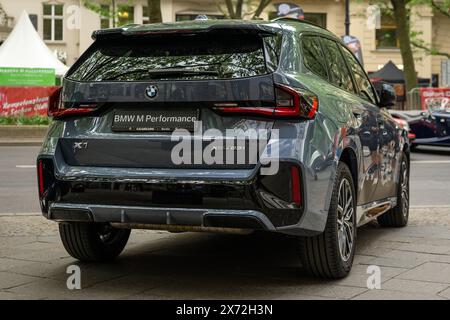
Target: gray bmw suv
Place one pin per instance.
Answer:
(222, 126)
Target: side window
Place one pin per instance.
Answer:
(339, 74)
(364, 89)
(291, 58)
(312, 56)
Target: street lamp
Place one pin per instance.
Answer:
(114, 13)
(347, 17)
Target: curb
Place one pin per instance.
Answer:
(20, 143)
(14, 135)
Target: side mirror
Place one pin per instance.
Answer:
(386, 94)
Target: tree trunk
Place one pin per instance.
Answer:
(402, 20)
(154, 11)
(261, 6)
(230, 8)
(239, 5)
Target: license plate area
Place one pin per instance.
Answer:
(155, 120)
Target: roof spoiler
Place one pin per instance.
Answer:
(137, 30)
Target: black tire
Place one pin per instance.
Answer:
(321, 255)
(398, 216)
(93, 242)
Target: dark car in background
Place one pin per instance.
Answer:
(430, 127)
(107, 164)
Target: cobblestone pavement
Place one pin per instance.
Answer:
(414, 262)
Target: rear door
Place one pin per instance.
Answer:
(365, 114)
(387, 161)
(146, 88)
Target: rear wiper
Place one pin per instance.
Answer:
(181, 72)
(171, 72)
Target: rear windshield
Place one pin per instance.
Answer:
(195, 56)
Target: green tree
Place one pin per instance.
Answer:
(400, 10)
(442, 7)
(401, 13)
(408, 39)
(112, 9)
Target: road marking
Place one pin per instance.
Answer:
(33, 166)
(430, 161)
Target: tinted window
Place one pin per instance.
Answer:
(339, 74)
(312, 56)
(177, 57)
(364, 86)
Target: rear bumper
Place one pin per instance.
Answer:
(131, 215)
(220, 200)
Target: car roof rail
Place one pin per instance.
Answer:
(299, 21)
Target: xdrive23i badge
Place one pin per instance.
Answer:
(151, 91)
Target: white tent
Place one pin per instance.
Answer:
(24, 48)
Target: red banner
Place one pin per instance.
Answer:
(27, 101)
(435, 98)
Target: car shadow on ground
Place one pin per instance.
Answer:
(193, 265)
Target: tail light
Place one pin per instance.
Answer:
(289, 102)
(296, 192)
(45, 176)
(46, 182)
(41, 186)
(292, 102)
(57, 108)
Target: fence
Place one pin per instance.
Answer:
(413, 100)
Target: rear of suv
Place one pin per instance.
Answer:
(219, 126)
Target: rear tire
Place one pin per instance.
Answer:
(398, 216)
(330, 254)
(93, 242)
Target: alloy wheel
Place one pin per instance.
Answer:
(345, 221)
(405, 189)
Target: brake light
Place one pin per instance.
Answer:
(296, 195)
(295, 102)
(56, 107)
(289, 102)
(41, 178)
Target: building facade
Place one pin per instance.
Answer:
(66, 25)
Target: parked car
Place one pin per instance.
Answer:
(430, 127)
(107, 166)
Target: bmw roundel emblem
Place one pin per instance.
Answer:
(151, 91)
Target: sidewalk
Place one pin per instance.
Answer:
(414, 263)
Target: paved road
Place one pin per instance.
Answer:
(18, 192)
(414, 261)
(18, 185)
